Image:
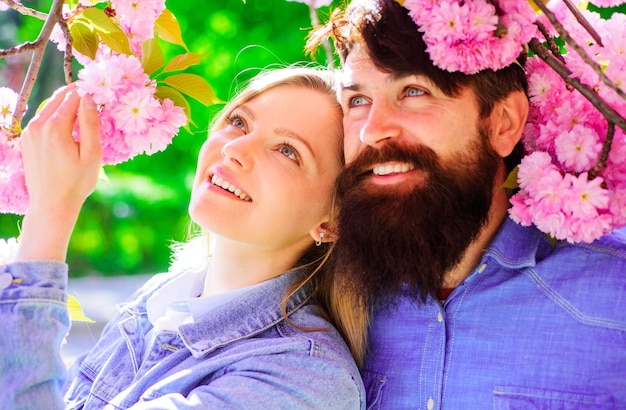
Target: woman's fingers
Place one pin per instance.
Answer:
(62, 170)
(51, 106)
(89, 126)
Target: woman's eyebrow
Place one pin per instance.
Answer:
(292, 134)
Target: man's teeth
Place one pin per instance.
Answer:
(218, 181)
(392, 169)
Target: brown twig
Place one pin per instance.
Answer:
(25, 11)
(604, 155)
(583, 22)
(54, 16)
(67, 58)
(554, 48)
(22, 48)
(609, 113)
(581, 52)
(612, 116)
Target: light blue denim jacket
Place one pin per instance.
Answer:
(243, 354)
(533, 327)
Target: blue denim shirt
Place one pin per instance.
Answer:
(533, 327)
(243, 354)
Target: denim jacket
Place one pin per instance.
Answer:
(533, 327)
(243, 354)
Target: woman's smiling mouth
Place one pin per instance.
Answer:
(227, 186)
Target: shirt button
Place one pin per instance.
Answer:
(5, 280)
(439, 317)
(430, 404)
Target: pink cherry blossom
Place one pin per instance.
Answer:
(8, 101)
(461, 35)
(578, 149)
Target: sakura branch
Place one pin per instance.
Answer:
(142, 98)
(572, 180)
(38, 47)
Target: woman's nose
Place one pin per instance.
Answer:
(239, 152)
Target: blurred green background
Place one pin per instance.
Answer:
(128, 223)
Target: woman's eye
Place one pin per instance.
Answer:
(414, 92)
(237, 121)
(288, 151)
(357, 101)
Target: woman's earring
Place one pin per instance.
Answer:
(318, 243)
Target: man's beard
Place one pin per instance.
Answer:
(399, 238)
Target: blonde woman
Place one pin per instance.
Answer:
(234, 329)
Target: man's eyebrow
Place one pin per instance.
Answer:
(393, 77)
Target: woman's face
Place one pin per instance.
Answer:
(267, 177)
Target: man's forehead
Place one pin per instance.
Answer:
(359, 71)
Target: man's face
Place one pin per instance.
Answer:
(418, 184)
(380, 108)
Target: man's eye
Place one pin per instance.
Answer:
(288, 151)
(357, 101)
(414, 92)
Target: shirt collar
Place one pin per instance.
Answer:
(517, 247)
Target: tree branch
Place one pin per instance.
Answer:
(583, 22)
(604, 155)
(25, 11)
(22, 48)
(609, 113)
(581, 52)
(54, 16)
(67, 58)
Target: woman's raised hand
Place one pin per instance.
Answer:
(60, 172)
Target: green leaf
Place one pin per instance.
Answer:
(183, 61)
(151, 56)
(76, 311)
(163, 92)
(84, 40)
(511, 180)
(166, 27)
(192, 85)
(111, 34)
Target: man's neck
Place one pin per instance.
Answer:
(474, 252)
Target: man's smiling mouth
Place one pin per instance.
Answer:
(394, 168)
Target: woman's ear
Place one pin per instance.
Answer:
(324, 232)
(508, 120)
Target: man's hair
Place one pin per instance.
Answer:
(392, 40)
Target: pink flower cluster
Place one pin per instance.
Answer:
(564, 138)
(13, 194)
(470, 36)
(132, 120)
(136, 18)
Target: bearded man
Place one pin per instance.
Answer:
(445, 301)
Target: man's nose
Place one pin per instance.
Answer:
(381, 125)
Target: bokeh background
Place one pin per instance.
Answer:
(128, 224)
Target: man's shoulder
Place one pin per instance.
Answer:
(610, 249)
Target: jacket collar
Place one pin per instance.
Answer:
(245, 316)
